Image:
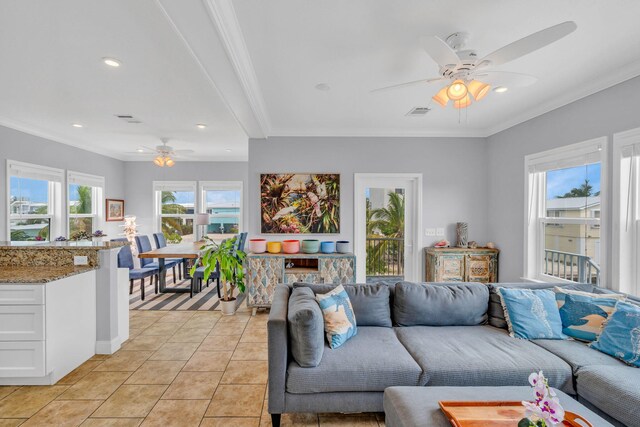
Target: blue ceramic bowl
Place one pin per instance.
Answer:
(310, 246)
(328, 247)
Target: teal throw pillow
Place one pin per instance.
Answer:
(339, 320)
(583, 315)
(532, 314)
(620, 337)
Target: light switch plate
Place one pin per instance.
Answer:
(80, 260)
(429, 231)
(439, 231)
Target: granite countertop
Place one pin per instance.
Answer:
(82, 244)
(43, 274)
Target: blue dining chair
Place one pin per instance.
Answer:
(125, 260)
(161, 242)
(144, 245)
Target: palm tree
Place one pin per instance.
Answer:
(390, 220)
(585, 190)
(171, 226)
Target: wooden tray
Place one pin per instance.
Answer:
(498, 414)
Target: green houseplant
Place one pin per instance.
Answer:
(229, 259)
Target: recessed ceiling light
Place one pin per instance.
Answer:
(76, 125)
(501, 89)
(201, 126)
(140, 150)
(228, 150)
(323, 87)
(111, 62)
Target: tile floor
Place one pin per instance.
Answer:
(184, 368)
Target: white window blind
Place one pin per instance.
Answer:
(31, 171)
(80, 178)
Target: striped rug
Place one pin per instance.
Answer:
(205, 300)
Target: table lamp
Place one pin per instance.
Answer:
(202, 219)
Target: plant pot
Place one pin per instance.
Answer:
(328, 247)
(257, 246)
(291, 246)
(228, 307)
(343, 246)
(274, 247)
(310, 246)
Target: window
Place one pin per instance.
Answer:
(563, 239)
(223, 202)
(84, 202)
(175, 208)
(626, 212)
(34, 200)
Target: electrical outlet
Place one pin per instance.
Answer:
(80, 260)
(440, 231)
(429, 231)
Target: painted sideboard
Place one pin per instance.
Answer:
(461, 265)
(265, 271)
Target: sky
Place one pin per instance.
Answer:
(222, 197)
(561, 181)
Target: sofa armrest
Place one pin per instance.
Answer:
(278, 347)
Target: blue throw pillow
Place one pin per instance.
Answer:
(532, 314)
(584, 314)
(339, 320)
(620, 337)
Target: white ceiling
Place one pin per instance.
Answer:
(248, 68)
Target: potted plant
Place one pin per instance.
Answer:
(228, 260)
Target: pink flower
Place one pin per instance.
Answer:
(539, 383)
(552, 411)
(532, 410)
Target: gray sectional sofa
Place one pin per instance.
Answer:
(445, 334)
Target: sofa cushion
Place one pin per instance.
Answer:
(496, 312)
(577, 354)
(480, 356)
(370, 302)
(339, 320)
(621, 334)
(370, 361)
(614, 390)
(583, 314)
(306, 327)
(532, 313)
(440, 304)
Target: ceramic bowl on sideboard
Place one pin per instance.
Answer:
(310, 246)
(327, 247)
(291, 246)
(257, 246)
(274, 247)
(343, 246)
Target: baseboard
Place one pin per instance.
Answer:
(108, 347)
(45, 380)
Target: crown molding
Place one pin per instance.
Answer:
(622, 74)
(224, 19)
(381, 133)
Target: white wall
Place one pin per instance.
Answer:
(140, 176)
(454, 175)
(16, 145)
(601, 114)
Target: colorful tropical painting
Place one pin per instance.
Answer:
(299, 203)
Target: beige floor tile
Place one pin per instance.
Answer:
(175, 351)
(189, 335)
(28, 400)
(95, 385)
(141, 323)
(145, 342)
(165, 329)
(236, 318)
(251, 351)
(254, 335)
(124, 361)
(259, 320)
(131, 401)
(193, 385)
(80, 372)
(230, 422)
(208, 361)
(231, 328)
(176, 317)
(155, 314)
(156, 372)
(63, 413)
(290, 420)
(134, 332)
(219, 343)
(176, 413)
(6, 390)
(112, 422)
(237, 401)
(100, 357)
(340, 420)
(11, 422)
(201, 323)
(243, 372)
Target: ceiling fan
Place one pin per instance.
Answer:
(469, 77)
(165, 154)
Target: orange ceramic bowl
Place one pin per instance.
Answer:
(274, 247)
(291, 246)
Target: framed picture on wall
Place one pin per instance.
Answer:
(300, 203)
(115, 210)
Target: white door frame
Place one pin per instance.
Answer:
(413, 222)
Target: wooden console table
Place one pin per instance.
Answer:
(461, 265)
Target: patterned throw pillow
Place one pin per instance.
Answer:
(583, 313)
(532, 314)
(620, 337)
(339, 320)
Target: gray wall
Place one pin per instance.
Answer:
(454, 175)
(19, 146)
(601, 114)
(140, 177)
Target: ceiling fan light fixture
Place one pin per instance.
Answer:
(169, 162)
(462, 103)
(478, 89)
(457, 90)
(441, 97)
(159, 161)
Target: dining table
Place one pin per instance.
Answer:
(180, 250)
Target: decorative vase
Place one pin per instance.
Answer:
(310, 246)
(257, 246)
(343, 246)
(228, 307)
(462, 233)
(327, 247)
(291, 246)
(274, 247)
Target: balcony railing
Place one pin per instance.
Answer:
(568, 266)
(385, 257)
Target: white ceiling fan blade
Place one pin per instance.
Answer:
(530, 43)
(141, 153)
(181, 152)
(439, 51)
(413, 83)
(505, 78)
